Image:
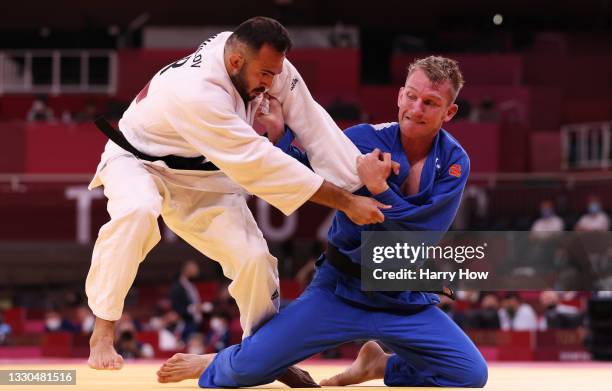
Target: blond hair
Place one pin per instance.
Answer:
(439, 70)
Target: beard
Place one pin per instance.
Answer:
(240, 82)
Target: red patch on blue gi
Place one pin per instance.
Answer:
(455, 170)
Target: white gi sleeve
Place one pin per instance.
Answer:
(332, 155)
(214, 129)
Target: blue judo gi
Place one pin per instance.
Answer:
(429, 348)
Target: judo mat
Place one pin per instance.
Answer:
(140, 376)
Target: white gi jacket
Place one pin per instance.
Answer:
(191, 108)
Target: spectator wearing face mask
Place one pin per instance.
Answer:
(129, 347)
(195, 344)
(596, 219)
(54, 321)
(84, 319)
(557, 315)
(172, 327)
(218, 336)
(40, 111)
(548, 224)
(487, 316)
(517, 315)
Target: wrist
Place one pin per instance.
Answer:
(378, 188)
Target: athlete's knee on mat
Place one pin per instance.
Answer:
(480, 374)
(475, 375)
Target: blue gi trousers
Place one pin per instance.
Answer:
(429, 348)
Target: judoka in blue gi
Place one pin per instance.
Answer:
(424, 191)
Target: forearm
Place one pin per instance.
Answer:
(332, 196)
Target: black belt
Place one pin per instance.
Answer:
(172, 161)
(350, 268)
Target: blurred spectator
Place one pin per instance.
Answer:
(218, 336)
(54, 321)
(516, 315)
(84, 319)
(5, 330)
(557, 315)
(66, 117)
(548, 224)
(185, 297)
(485, 111)
(156, 321)
(225, 303)
(487, 316)
(39, 111)
(595, 219)
(129, 347)
(341, 37)
(171, 332)
(195, 344)
(126, 322)
(467, 299)
(88, 113)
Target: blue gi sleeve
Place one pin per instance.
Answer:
(284, 143)
(438, 212)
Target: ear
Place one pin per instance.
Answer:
(236, 61)
(399, 96)
(450, 112)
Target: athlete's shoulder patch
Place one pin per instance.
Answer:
(455, 170)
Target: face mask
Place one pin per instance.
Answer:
(546, 212)
(53, 323)
(218, 325)
(594, 207)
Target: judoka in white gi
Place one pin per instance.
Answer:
(205, 104)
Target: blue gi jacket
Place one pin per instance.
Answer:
(433, 208)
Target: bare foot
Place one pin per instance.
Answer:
(295, 377)
(102, 354)
(370, 364)
(183, 366)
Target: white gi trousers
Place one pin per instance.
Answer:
(206, 209)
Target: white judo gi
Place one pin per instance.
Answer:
(191, 108)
